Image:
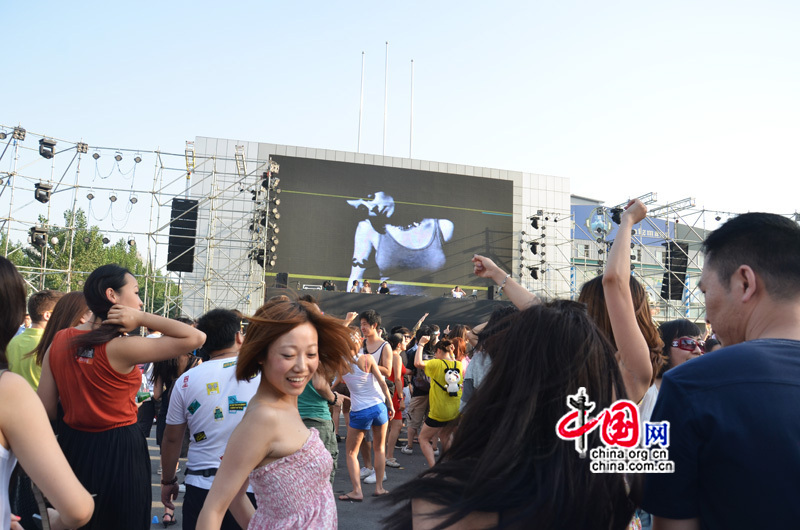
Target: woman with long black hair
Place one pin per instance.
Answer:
(93, 370)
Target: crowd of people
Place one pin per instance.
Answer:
(254, 403)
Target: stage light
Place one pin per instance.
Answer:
(19, 133)
(106, 241)
(90, 195)
(276, 202)
(3, 136)
(95, 155)
(133, 199)
(86, 239)
(131, 242)
(113, 196)
(274, 227)
(274, 240)
(272, 262)
(534, 247)
(534, 222)
(47, 148)
(274, 182)
(118, 157)
(273, 248)
(274, 213)
(274, 167)
(82, 147)
(534, 272)
(38, 236)
(42, 192)
(137, 158)
(54, 240)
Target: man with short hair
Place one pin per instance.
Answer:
(734, 420)
(211, 402)
(40, 307)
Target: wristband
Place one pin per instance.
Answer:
(504, 280)
(335, 397)
(170, 482)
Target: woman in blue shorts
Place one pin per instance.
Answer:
(370, 408)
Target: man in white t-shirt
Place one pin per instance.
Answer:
(211, 402)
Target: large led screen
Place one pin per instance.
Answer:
(415, 229)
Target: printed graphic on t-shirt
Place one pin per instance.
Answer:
(235, 405)
(86, 355)
(229, 364)
(218, 414)
(185, 382)
(212, 388)
(200, 436)
(193, 406)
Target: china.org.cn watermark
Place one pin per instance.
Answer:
(627, 447)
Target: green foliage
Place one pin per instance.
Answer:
(160, 294)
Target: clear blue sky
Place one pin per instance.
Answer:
(623, 97)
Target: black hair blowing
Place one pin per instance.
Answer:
(506, 457)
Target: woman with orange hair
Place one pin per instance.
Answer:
(272, 450)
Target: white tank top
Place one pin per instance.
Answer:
(365, 392)
(7, 463)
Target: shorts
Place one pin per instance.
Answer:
(416, 412)
(366, 418)
(436, 424)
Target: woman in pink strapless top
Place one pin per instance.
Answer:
(286, 464)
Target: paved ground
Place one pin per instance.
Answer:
(355, 516)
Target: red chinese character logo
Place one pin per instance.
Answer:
(620, 423)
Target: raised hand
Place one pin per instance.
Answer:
(125, 317)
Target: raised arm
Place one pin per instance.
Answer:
(385, 366)
(519, 296)
(419, 362)
(418, 324)
(25, 428)
(126, 352)
(633, 353)
(250, 442)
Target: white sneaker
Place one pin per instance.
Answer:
(372, 479)
(182, 488)
(406, 450)
(365, 472)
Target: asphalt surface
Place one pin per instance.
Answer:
(352, 515)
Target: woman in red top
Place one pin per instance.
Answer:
(398, 343)
(93, 370)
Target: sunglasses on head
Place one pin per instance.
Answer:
(689, 344)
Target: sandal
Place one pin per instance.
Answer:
(171, 521)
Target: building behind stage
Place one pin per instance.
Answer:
(334, 212)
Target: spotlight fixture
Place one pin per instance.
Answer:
(131, 242)
(38, 236)
(19, 133)
(47, 148)
(273, 248)
(274, 167)
(137, 158)
(274, 213)
(276, 202)
(534, 272)
(272, 262)
(3, 136)
(113, 196)
(534, 247)
(274, 227)
(133, 199)
(86, 240)
(82, 147)
(534, 222)
(54, 240)
(90, 195)
(42, 192)
(118, 157)
(718, 218)
(274, 182)
(95, 155)
(274, 240)
(106, 241)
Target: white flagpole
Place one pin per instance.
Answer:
(360, 104)
(411, 127)
(385, 96)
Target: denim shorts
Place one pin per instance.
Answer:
(366, 418)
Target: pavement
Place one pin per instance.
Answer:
(352, 515)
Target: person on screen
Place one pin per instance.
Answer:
(394, 244)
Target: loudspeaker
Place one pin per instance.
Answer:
(676, 259)
(182, 232)
(492, 292)
(282, 280)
